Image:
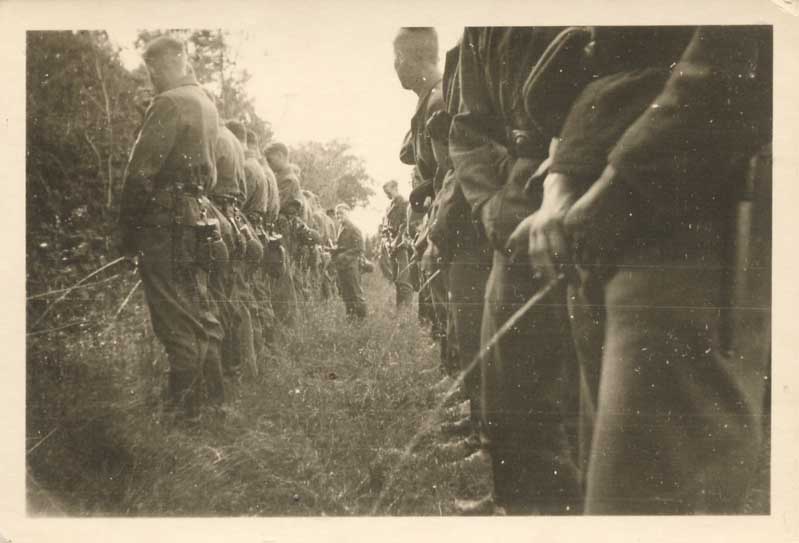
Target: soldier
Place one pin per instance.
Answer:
(346, 256)
(327, 269)
(163, 209)
(394, 234)
(295, 233)
(416, 65)
(467, 259)
(659, 143)
(285, 300)
(272, 194)
(497, 148)
(253, 212)
(228, 194)
(268, 213)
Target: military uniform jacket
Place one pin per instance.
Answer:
(396, 215)
(231, 181)
(349, 243)
(175, 145)
(494, 64)
(257, 190)
(452, 226)
(674, 135)
(273, 194)
(417, 148)
(288, 186)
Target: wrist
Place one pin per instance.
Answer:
(560, 192)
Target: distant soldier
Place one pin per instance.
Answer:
(253, 211)
(395, 240)
(268, 214)
(328, 234)
(228, 195)
(273, 193)
(296, 234)
(347, 255)
(163, 220)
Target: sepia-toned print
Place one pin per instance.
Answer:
(468, 271)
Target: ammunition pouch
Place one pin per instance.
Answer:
(227, 206)
(274, 259)
(210, 251)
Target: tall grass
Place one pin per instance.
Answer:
(318, 432)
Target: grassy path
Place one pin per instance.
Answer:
(315, 434)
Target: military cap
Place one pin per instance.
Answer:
(163, 45)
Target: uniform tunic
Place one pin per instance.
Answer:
(528, 378)
(176, 145)
(677, 421)
(349, 243)
(395, 220)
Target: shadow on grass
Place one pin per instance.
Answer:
(316, 433)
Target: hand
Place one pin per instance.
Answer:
(430, 259)
(542, 235)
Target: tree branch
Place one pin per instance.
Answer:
(109, 163)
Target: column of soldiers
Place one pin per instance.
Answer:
(620, 176)
(227, 243)
(604, 172)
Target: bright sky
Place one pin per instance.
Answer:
(331, 80)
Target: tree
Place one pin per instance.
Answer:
(332, 172)
(81, 124)
(215, 67)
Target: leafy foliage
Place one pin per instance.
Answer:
(81, 123)
(332, 172)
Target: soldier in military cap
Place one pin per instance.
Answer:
(163, 220)
(346, 256)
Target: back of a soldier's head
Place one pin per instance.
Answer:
(238, 130)
(166, 61)
(417, 44)
(277, 154)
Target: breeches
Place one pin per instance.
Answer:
(529, 395)
(176, 289)
(468, 275)
(677, 423)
